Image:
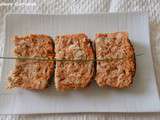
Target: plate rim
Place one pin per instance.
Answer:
(148, 30)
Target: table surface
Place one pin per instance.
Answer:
(152, 7)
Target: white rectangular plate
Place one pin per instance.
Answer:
(143, 97)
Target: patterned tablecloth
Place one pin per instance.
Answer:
(152, 7)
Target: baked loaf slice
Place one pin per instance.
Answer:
(71, 74)
(32, 74)
(119, 68)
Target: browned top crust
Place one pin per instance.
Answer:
(32, 74)
(73, 74)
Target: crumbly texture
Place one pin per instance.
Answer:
(32, 74)
(34, 46)
(117, 74)
(73, 74)
(113, 45)
(119, 70)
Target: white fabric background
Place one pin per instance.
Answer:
(152, 7)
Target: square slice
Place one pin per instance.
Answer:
(32, 74)
(119, 68)
(73, 74)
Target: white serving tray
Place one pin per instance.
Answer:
(143, 97)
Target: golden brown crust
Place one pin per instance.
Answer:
(73, 74)
(32, 74)
(119, 72)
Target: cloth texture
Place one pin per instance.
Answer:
(152, 7)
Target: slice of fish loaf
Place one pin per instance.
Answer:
(32, 74)
(119, 68)
(73, 74)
